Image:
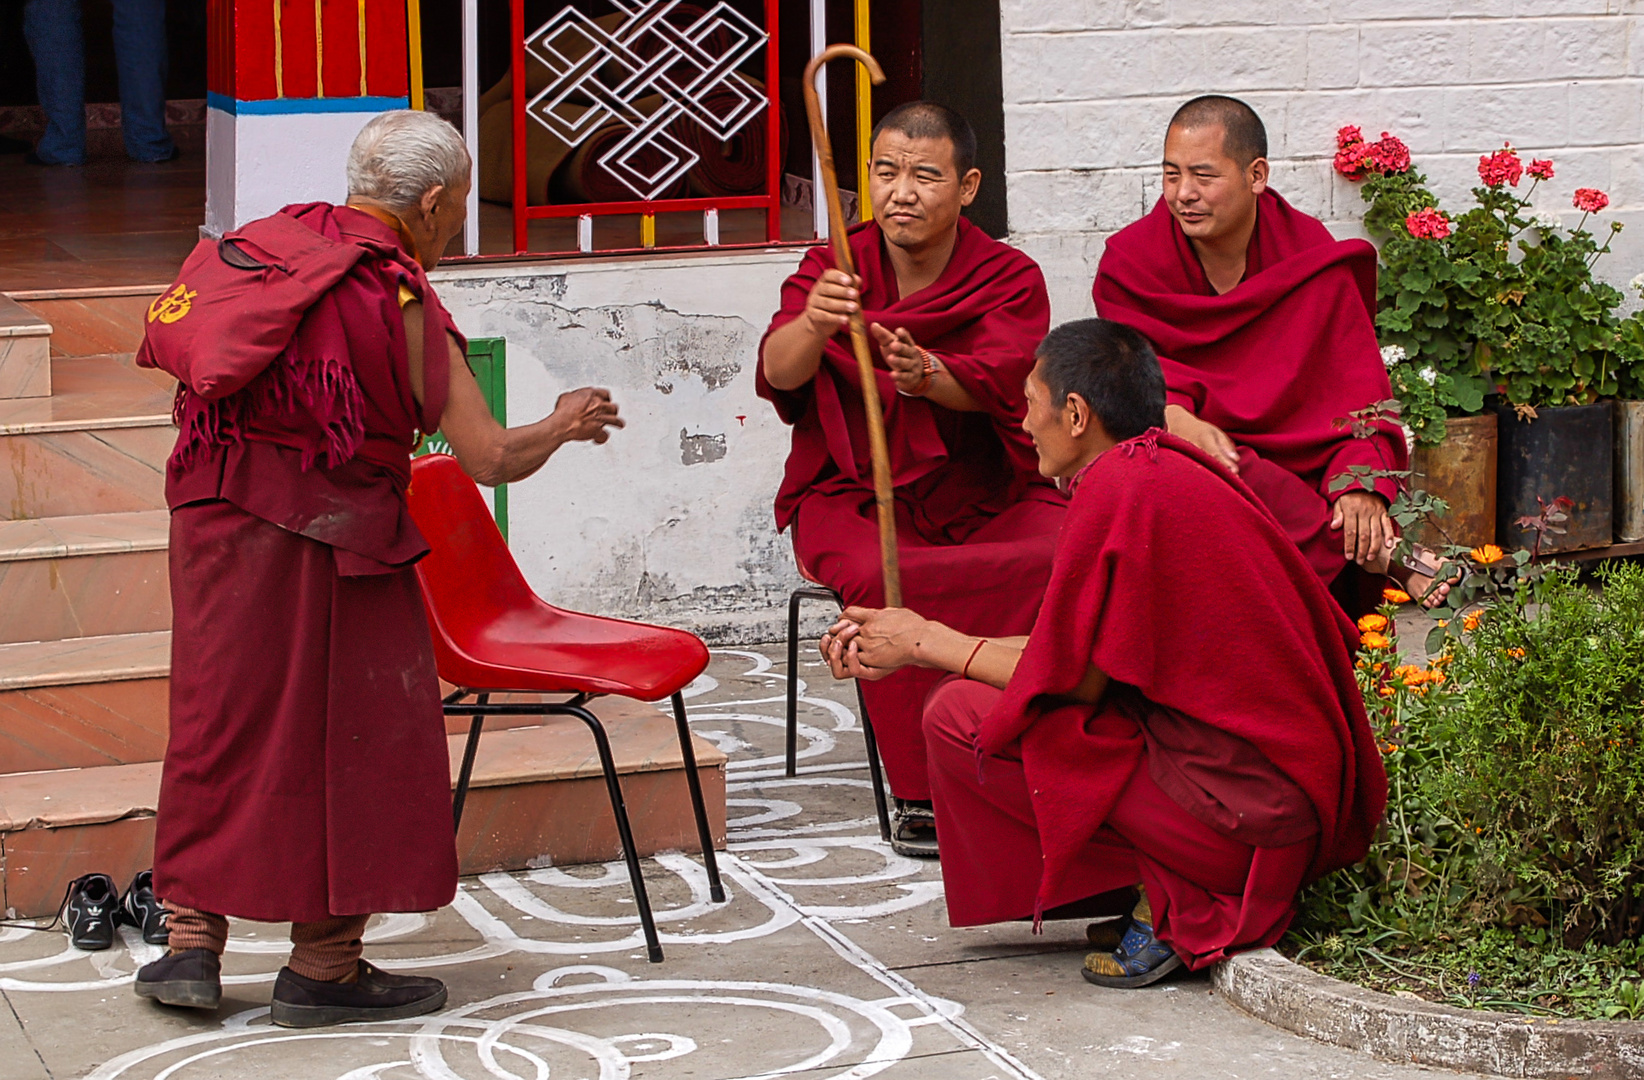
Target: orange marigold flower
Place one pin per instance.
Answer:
(1372, 640)
(1487, 555)
(1471, 622)
(1386, 691)
(1373, 622)
(1395, 596)
(1404, 672)
(1516, 654)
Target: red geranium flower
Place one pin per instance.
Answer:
(1391, 155)
(1347, 136)
(1501, 167)
(1428, 224)
(1591, 200)
(1541, 170)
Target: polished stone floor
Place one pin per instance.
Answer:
(832, 959)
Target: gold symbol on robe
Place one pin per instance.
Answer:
(172, 306)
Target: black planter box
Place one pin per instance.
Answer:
(1568, 450)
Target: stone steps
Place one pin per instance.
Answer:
(537, 799)
(84, 575)
(84, 702)
(25, 352)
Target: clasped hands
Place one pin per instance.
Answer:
(834, 298)
(1367, 530)
(869, 643)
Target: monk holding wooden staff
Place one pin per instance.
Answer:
(1167, 726)
(1265, 327)
(307, 777)
(954, 316)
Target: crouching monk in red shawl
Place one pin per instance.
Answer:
(307, 779)
(954, 316)
(1207, 746)
(1264, 325)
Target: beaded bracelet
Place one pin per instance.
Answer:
(932, 366)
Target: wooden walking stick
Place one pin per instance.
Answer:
(877, 449)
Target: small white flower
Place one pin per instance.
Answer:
(1637, 284)
(1546, 219)
(1427, 375)
(1393, 355)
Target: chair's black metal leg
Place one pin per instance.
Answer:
(793, 680)
(716, 891)
(874, 770)
(467, 771)
(653, 946)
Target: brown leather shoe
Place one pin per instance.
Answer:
(301, 1002)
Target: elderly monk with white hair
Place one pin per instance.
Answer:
(306, 779)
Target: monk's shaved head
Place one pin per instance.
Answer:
(928, 120)
(1112, 367)
(1244, 137)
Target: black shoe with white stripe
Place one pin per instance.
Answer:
(140, 908)
(89, 914)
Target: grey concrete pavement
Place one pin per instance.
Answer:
(832, 959)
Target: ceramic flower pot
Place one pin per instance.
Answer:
(1461, 470)
(1568, 451)
(1629, 471)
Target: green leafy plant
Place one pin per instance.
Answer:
(1498, 299)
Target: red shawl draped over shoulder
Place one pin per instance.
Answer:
(984, 317)
(1278, 359)
(1264, 655)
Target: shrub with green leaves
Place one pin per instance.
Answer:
(1544, 758)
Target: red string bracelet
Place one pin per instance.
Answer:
(965, 672)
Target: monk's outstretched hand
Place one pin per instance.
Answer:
(1203, 434)
(903, 356)
(586, 415)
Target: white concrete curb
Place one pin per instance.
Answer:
(1290, 996)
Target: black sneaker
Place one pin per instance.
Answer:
(301, 1002)
(192, 978)
(141, 909)
(89, 914)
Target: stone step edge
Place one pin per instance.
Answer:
(132, 791)
(72, 661)
(52, 427)
(41, 538)
(18, 321)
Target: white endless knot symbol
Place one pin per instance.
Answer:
(656, 55)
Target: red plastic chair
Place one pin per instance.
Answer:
(493, 635)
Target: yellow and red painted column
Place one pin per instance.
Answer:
(289, 84)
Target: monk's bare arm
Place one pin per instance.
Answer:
(487, 451)
(793, 353)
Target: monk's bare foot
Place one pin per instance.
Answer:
(1415, 573)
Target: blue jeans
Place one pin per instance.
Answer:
(53, 31)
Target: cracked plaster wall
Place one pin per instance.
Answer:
(670, 521)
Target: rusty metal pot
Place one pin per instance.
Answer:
(1461, 470)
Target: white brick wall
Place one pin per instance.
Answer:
(1090, 84)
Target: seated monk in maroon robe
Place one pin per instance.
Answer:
(307, 778)
(1205, 744)
(1265, 327)
(954, 316)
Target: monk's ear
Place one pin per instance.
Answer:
(1257, 172)
(431, 198)
(968, 185)
(1078, 415)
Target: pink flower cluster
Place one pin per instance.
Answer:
(1503, 167)
(1540, 169)
(1355, 158)
(1589, 199)
(1428, 224)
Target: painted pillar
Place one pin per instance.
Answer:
(289, 84)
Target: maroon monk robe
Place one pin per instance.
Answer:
(1236, 704)
(1274, 362)
(976, 524)
(307, 773)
